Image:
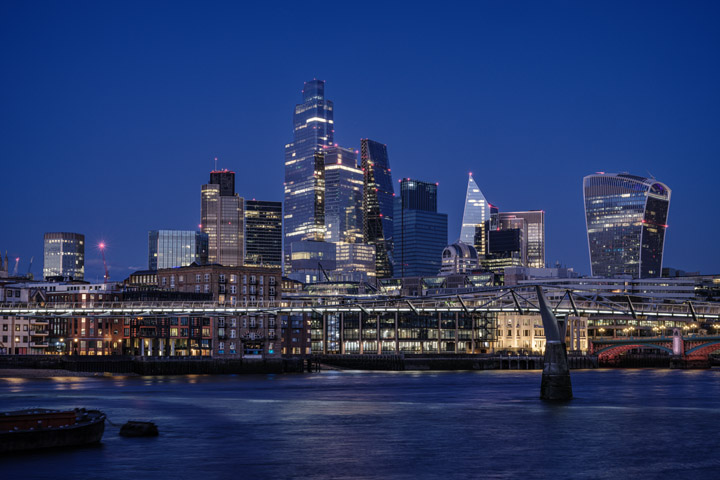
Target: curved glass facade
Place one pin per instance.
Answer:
(626, 218)
(476, 212)
(377, 204)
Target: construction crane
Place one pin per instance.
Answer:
(30, 275)
(101, 246)
(17, 261)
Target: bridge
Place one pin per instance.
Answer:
(693, 348)
(519, 299)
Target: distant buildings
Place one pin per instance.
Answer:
(176, 248)
(313, 128)
(222, 219)
(263, 233)
(343, 195)
(64, 255)
(475, 216)
(420, 233)
(377, 204)
(459, 258)
(626, 218)
(533, 226)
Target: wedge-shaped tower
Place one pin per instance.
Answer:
(476, 213)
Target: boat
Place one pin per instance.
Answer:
(38, 428)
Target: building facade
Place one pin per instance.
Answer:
(247, 336)
(176, 248)
(377, 204)
(222, 219)
(459, 258)
(626, 219)
(421, 233)
(533, 235)
(313, 128)
(64, 255)
(343, 195)
(475, 216)
(263, 233)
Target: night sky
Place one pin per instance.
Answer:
(112, 112)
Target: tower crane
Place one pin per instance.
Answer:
(101, 246)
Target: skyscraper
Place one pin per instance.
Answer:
(313, 128)
(222, 219)
(626, 218)
(377, 204)
(420, 233)
(476, 212)
(64, 255)
(263, 233)
(176, 248)
(534, 234)
(343, 195)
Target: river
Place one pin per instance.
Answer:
(372, 425)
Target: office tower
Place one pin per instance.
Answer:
(176, 248)
(534, 234)
(64, 255)
(475, 214)
(263, 233)
(343, 195)
(377, 204)
(222, 219)
(417, 195)
(459, 258)
(313, 128)
(311, 261)
(626, 218)
(355, 262)
(420, 234)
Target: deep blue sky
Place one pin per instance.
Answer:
(111, 112)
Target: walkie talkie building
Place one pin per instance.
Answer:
(626, 218)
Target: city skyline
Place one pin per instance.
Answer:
(528, 139)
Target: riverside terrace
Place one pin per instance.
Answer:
(430, 324)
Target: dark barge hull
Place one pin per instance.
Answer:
(82, 433)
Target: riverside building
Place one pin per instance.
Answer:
(176, 248)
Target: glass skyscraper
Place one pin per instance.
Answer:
(343, 195)
(420, 232)
(221, 212)
(534, 234)
(377, 204)
(626, 218)
(475, 214)
(176, 248)
(263, 233)
(313, 128)
(64, 255)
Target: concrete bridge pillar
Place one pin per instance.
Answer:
(556, 384)
(678, 344)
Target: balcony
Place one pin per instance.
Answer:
(39, 333)
(39, 321)
(39, 344)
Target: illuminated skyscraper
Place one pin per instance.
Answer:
(477, 211)
(176, 248)
(534, 234)
(304, 168)
(221, 214)
(343, 195)
(64, 255)
(626, 219)
(377, 204)
(263, 233)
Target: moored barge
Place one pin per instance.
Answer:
(40, 428)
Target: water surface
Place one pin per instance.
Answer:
(489, 424)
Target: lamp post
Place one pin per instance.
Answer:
(601, 331)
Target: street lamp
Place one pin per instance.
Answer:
(602, 331)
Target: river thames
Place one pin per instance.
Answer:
(487, 424)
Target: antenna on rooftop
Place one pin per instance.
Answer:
(216, 164)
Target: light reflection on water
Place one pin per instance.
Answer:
(639, 423)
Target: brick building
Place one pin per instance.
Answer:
(248, 336)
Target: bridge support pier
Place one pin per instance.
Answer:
(556, 384)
